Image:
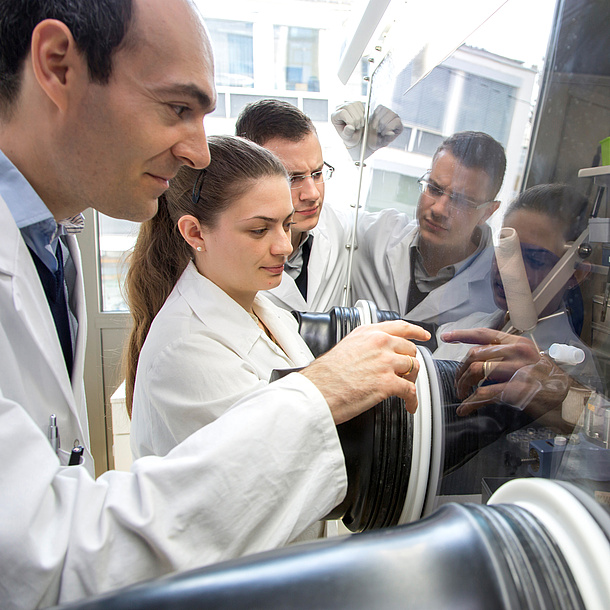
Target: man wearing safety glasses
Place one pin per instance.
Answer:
(436, 269)
(314, 274)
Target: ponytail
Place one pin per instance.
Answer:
(159, 257)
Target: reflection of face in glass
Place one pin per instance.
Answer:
(542, 245)
(537, 261)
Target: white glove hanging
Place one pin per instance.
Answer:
(385, 125)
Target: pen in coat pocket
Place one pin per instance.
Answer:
(53, 433)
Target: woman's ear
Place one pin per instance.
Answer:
(56, 61)
(190, 229)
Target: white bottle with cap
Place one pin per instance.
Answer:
(566, 354)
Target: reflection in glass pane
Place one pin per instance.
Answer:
(486, 105)
(489, 83)
(393, 189)
(233, 52)
(116, 238)
(297, 49)
(424, 106)
(547, 415)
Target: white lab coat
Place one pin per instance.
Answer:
(382, 273)
(202, 354)
(201, 334)
(327, 269)
(64, 535)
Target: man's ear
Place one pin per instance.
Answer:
(488, 211)
(56, 61)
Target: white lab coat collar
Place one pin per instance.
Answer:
(77, 301)
(445, 298)
(287, 294)
(456, 291)
(218, 311)
(31, 305)
(291, 343)
(327, 269)
(14, 257)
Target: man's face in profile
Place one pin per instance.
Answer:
(126, 139)
(447, 222)
(302, 158)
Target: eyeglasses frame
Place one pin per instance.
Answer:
(325, 166)
(472, 205)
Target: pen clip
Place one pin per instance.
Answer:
(75, 455)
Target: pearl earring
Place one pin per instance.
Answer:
(199, 248)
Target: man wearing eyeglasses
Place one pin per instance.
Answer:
(436, 269)
(315, 273)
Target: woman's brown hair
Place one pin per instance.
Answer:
(161, 254)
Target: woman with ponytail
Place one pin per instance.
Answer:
(203, 338)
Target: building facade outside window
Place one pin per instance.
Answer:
(296, 58)
(233, 46)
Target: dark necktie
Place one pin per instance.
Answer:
(53, 284)
(301, 280)
(415, 295)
